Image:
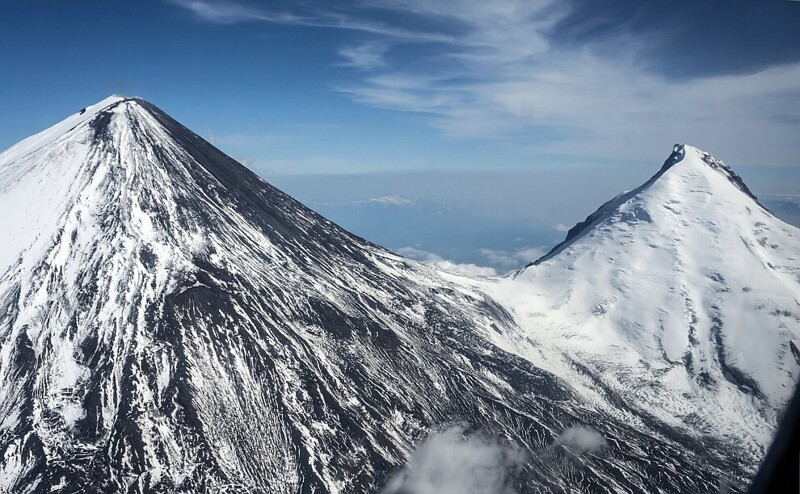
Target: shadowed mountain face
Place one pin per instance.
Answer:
(170, 322)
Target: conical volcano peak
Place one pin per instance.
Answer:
(57, 131)
(689, 176)
(704, 156)
(115, 100)
(101, 105)
(90, 113)
(121, 162)
(689, 275)
(685, 156)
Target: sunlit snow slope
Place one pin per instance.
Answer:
(169, 322)
(681, 297)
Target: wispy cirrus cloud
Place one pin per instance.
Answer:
(495, 70)
(223, 12)
(504, 78)
(344, 16)
(367, 56)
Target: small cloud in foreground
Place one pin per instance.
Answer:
(454, 462)
(445, 264)
(582, 438)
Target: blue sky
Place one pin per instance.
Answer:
(596, 89)
(330, 87)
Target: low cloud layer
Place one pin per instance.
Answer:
(455, 462)
(497, 261)
(510, 260)
(442, 263)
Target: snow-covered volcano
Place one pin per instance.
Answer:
(170, 322)
(682, 296)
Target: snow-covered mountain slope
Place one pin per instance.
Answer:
(682, 297)
(170, 322)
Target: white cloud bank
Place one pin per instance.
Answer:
(389, 200)
(515, 259)
(442, 263)
(499, 261)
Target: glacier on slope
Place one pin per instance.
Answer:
(170, 322)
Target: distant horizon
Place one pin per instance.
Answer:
(481, 234)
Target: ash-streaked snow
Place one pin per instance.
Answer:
(170, 322)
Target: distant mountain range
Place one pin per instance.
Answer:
(170, 322)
